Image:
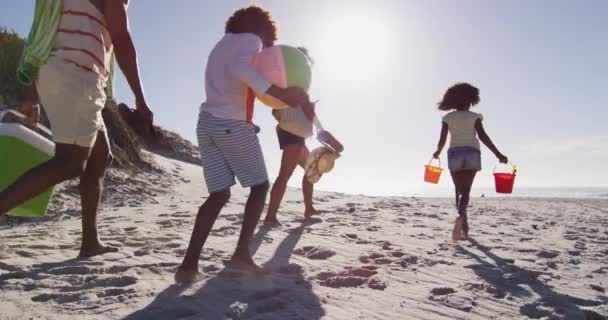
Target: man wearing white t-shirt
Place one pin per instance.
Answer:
(228, 141)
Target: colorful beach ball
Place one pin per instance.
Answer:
(284, 66)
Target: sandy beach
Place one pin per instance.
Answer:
(363, 258)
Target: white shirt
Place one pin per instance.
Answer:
(461, 125)
(294, 121)
(230, 72)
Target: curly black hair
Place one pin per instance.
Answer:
(253, 19)
(460, 96)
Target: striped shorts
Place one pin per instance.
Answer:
(229, 148)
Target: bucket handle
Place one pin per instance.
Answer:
(21, 116)
(438, 160)
(513, 167)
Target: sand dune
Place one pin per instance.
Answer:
(364, 258)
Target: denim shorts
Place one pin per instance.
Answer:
(287, 138)
(464, 159)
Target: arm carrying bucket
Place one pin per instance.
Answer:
(432, 173)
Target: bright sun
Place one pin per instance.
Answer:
(353, 48)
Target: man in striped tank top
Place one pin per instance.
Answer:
(70, 86)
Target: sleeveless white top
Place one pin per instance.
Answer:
(294, 121)
(83, 39)
(461, 125)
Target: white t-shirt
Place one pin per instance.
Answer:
(230, 72)
(294, 121)
(461, 125)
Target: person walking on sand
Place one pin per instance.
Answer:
(227, 139)
(294, 126)
(66, 65)
(464, 156)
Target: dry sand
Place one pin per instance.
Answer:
(364, 258)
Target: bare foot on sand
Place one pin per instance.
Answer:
(98, 249)
(457, 231)
(187, 275)
(245, 265)
(311, 212)
(273, 222)
(465, 229)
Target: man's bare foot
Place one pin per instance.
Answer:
(457, 231)
(272, 222)
(311, 212)
(186, 275)
(245, 265)
(99, 249)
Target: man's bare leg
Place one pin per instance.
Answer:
(91, 186)
(69, 162)
(253, 209)
(207, 214)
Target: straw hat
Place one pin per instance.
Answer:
(320, 161)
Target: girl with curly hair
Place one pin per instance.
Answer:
(464, 156)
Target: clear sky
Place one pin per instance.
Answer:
(383, 65)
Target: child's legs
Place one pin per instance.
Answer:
(466, 180)
(289, 161)
(307, 186)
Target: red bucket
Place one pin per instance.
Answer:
(504, 181)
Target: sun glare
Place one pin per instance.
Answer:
(353, 49)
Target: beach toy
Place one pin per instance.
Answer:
(20, 150)
(505, 179)
(432, 173)
(320, 161)
(284, 66)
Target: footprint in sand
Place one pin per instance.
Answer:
(224, 231)
(315, 252)
(547, 254)
(352, 278)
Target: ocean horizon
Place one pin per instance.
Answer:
(518, 192)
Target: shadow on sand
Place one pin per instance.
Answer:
(283, 293)
(506, 277)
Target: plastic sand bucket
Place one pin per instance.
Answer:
(504, 180)
(432, 173)
(20, 150)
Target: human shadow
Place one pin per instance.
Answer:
(282, 293)
(48, 269)
(506, 277)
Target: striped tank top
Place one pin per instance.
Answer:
(83, 39)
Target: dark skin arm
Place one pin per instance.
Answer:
(443, 137)
(126, 56)
(27, 107)
(483, 136)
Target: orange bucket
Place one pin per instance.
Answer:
(504, 181)
(432, 173)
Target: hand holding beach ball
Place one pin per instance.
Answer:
(286, 67)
